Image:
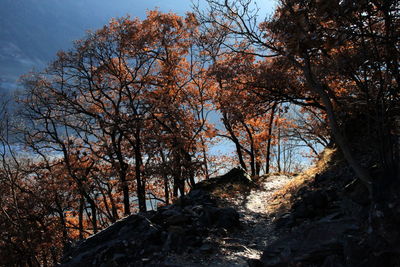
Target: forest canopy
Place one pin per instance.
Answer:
(121, 122)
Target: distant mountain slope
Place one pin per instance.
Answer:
(32, 31)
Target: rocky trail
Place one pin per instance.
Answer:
(238, 247)
(230, 220)
(224, 222)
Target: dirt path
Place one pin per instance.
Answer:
(247, 243)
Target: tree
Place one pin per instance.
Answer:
(251, 105)
(118, 93)
(32, 208)
(122, 114)
(340, 51)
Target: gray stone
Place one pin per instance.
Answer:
(206, 248)
(177, 219)
(310, 243)
(227, 218)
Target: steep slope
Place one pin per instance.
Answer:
(145, 239)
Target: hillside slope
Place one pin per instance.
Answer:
(330, 221)
(321, 217)
(225, 222)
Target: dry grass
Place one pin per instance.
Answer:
(282, 198)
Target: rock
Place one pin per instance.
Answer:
(319, 199)
(206, 248)
(301, 210)
(353, 209)
(175, 240)
(357, 192)
(199, 196)
(145, 239)
(177, 219)
(234, 176)
(221, 232)
(310, 244)
(170, 212)
(255, 263)
(311, 204)
(333, 261)
(355, 251)
(206, 217)
(227, 218)
(285, 220)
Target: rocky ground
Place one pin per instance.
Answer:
(147, 239)
(223, 222)
(238, 247)
(321, 218)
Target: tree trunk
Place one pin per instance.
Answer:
(235, 141)
(140, 184)
(122, 168)
(270, 125)
(166, 189)
(189, 168)
(258, 167)
(239, 153)
(62, 222)
(278, 160)
(80, 218)
(112, 202)
(94, 214)
(166, 183)
(252, 152)
(175, 187)
(125, 189)
(340, 139)
(205, 163)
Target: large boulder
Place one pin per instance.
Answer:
(236, 176)
(128, 240)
